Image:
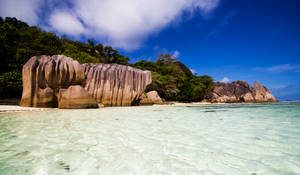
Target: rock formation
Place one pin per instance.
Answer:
(150, 98)
(262, 93)
(177, 63)
(60, 81)
(241, 91)
(75, 97)
(115, 85)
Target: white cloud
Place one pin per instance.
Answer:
(120, 23)
(280, 68)
(25, 10)
(66, 23)
(225, 80)
(126, 23)
(193, 71)
(176, 54)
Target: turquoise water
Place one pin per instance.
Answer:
(233, 139)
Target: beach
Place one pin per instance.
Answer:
(17, 108)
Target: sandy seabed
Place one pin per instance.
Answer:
(160, 140)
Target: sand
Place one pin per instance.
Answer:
(16, 108)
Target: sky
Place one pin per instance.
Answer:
(226, 39)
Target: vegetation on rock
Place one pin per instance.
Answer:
(19, 42)
(174, 81)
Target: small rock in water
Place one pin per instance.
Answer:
(100, 105)
(210, 111)
(67, 167)
(64, 165)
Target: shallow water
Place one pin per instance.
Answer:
(253, 139)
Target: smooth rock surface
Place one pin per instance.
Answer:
(151, 97)
(241, 91)
(262, 93)
(115, 85)
(75, 97)
(43, 76)
(110, 84)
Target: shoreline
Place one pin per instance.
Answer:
(5, 108)
(17, 108)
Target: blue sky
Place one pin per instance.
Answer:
(243, 40)
(226, 39)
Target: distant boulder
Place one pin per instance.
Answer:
(262, 93)
(241, 91)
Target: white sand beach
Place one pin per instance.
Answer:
(17, 108)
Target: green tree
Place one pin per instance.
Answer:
(19, 42)
(9, 39)
(174, 81)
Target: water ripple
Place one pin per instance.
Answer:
(251, 139)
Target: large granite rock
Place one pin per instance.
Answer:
(43, 77)
(241, 91)
(150, 98)
(115, 85)
(75, 97)
(262, 93)
(46, 82)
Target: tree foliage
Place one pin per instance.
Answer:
(174, 81)
(19, 42)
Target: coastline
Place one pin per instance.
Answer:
(17, 108)
(174, 103)
(4, 108)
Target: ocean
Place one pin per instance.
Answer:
(233, 139)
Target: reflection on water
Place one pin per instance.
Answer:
(193, 139)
